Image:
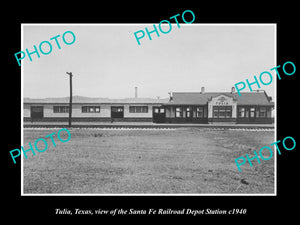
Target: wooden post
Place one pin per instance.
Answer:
(70, 103)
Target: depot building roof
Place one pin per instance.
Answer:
(87, 100)
(178, 98)
(198, 98)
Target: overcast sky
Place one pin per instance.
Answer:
(106, 60)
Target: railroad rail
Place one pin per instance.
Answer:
(251, 127)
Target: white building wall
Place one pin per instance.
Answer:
(26, 110)
(76, 110)
(105, 110)
(127, 114)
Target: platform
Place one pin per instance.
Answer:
(144, 125)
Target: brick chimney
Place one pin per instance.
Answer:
(170, 96)
(202, 90)
(135, 92)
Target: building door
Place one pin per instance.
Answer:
(159, 114)
(223, 113)
(189, 114)
(37, 112)
(117, 112)
(252, 113)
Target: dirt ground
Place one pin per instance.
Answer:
(178, 161)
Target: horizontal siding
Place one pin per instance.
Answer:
(128, 114)
(217, 120)
(187, 120)
(105, 114)
(77, 112)
(105, 111)
(26, 110)
(88, 119)
(256, 120)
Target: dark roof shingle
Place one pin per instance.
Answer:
(197, 98)
(87, 100)
(179, 98)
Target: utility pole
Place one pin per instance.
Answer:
(70, 103)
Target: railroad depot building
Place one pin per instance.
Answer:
(91, 109)
(181, 107)
(213, 107)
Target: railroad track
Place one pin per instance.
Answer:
(151, 127)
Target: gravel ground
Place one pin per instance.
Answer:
(180, 161)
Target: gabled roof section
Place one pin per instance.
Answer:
(253, 98)
(197, 98)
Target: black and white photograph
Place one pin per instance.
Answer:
(144, 111)
(160, 117)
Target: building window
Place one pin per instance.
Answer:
(90, 109)
(178, 112)
(222, 111)
(228, 111)
(138, 109)
(199, 112)
(116, 109)
(263, 112)
(188, 112)
(60, 109)
(215, 111)
(159, 110)
(252, 112)
(242, 112)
